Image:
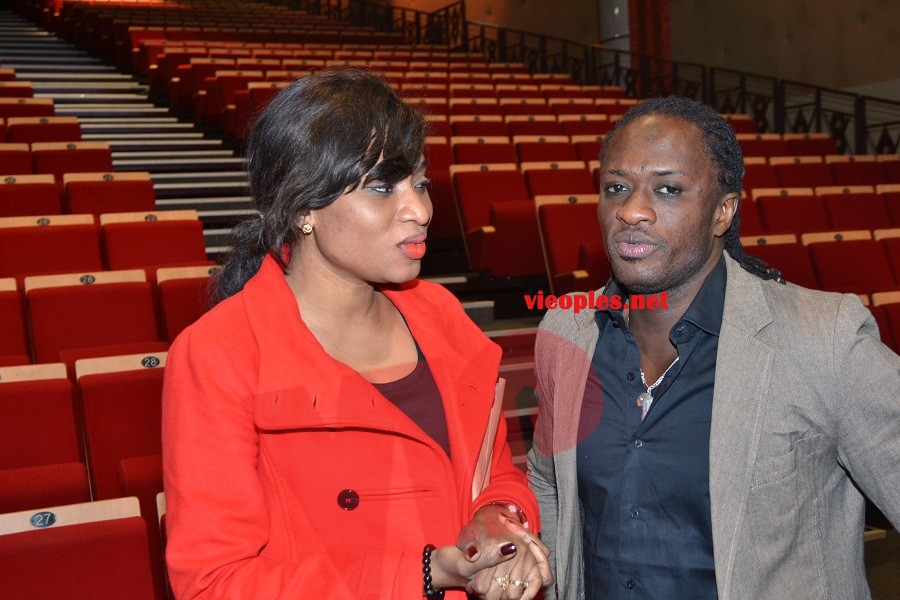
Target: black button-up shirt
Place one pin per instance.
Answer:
(644, 485)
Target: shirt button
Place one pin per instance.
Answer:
(630, 584)
(348, 499)
(630, 377)
(634, 513)
(638, 443)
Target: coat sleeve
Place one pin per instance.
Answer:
(508, 483)
(867, 407)
(217, 519)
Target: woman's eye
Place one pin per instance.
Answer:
(381, 188)
(423, 185)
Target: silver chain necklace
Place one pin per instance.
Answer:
(645, 400)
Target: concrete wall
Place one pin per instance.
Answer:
(841, 44)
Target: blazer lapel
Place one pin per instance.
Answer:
(743, 372)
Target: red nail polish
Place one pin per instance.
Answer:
(508, 549)
(471, 551)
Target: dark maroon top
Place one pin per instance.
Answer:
(418, 396)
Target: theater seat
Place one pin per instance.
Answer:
(89, 551)
(850, 262)
(48, 244)
(566, 223)
(59, 158)
(786, 254)
(29, 130)
(83, 310)
(184, 296)
(105, 192)
(41, 461)
(151, 239)
(24, 195)
(567, 177)
(14, 345)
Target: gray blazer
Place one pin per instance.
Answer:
(806, 398)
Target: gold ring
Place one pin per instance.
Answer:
(503, 582)
(520, 582)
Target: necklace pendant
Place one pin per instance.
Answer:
(645, 400)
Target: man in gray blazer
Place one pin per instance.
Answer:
(717, 447)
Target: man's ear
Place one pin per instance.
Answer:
(726, 209)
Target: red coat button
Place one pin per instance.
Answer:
(348, 499)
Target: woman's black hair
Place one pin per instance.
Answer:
(723, 149)
(316, 140)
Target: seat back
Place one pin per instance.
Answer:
(98, 193)
(543, 182)
(48, 244)
(134, 240)
(857, 266)
(98, 551)
(14, 348)
(59, 158)
(28, 130)
(184, 296)
(82, 310)
(120, 400)
(24, 195)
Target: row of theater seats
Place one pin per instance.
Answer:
(804, 209)
(65, 317)
(77, 193)
(54, 158)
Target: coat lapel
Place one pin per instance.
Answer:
(743, 371)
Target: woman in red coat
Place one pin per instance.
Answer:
(327, 426)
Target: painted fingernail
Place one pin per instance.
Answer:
(471, 551)
(507, 549)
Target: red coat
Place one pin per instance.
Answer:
(267, 441)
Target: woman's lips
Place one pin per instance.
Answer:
(413, 247)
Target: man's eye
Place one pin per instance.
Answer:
(668, 190)
(614, 188)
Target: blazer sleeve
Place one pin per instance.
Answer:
(867, 407)
(217, 519)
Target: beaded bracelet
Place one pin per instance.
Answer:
(427, 588)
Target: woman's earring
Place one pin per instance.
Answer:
(306, 229)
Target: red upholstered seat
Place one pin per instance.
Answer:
(855, 266)
(117, 307)
(40, 458)
(799, 213)
(856, 170)
(25, 195)
(547, 148)
(751, 222)
(885, 330)
(559, 181)
(58, 158)
(26, 107)
(856, 211)
(133, 240)
(15, 159)
(791, 259)
(98, 193)
(759, 174)
(498, 219)
(28, 130)
(60, 244)
(802, 172)
(95, 554)
(184, 295)
(565, 227)
(445, 218)
(810, 144)
(14, 346)
(486, 150)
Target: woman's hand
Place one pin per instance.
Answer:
(455, 567)
(518, 578)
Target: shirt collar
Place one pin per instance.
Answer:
(704, 313)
